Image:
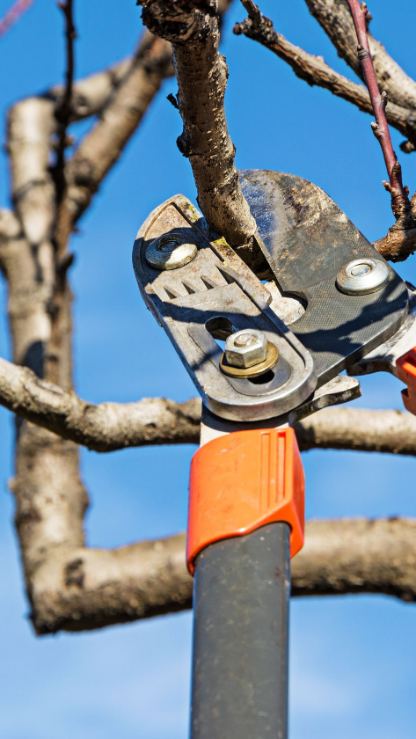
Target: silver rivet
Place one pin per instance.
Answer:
(362, 276)
(169, 252)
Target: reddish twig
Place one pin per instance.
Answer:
(13, 15)
(399, 193)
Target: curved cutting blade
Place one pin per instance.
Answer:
(306, 240)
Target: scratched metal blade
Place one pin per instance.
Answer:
(307, 239)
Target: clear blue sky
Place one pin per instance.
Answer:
(352, 659)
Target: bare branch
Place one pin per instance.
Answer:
(314, 70)
(103, 145)
(9, 225)
(103, 427)
(63, 117)
(76, 589)
(193, 29)
(400, 240)
(399, 194)
(14, 14)
(335, 19)
(31, 124)
(359, 429)
(92, 93)
(111, 426)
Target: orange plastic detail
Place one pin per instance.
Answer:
(406, 371)
(242, 481)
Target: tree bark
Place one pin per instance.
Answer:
(193, 29)
(84, 589)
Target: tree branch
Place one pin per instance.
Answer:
(358, 429)
(63, 117)
(402, 208)
(103, 427)
(110, 426)
(77, 588)
(399, 194)
(193, 29)
(400, 240)
(335, 19)
(31, 124)
(103, 145)
(92, 93)
(314, 70)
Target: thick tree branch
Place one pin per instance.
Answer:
(359, 429)
(103, 427)
(31, 124)
(193, 29)
(111, 426)
(76, 588)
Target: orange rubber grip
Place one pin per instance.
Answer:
(242, 481)
(406, 371)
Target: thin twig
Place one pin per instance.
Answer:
(13, 15)
(61, 298)
(399, 193)
(63, 113)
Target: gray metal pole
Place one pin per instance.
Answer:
(240, 641)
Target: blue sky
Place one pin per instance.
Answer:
(352, 659)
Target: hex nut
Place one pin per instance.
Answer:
(169, 252)
(246, 348)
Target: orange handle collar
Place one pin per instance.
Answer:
(242, 481)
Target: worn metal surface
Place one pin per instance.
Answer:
(240, 658)
(212, 296)
(307, 239)
(385, 356)
(340, 389)
(169, 252)
(362, 276)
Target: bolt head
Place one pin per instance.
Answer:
(169, 252)
(362, 276)
(246, 348)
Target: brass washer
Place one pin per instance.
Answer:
(271, 359)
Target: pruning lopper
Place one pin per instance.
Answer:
(263, 355)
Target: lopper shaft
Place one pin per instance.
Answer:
(240, 650)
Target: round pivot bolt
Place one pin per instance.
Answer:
(246, 348)
(169, 252)
(362, 276)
